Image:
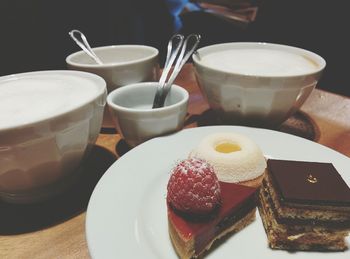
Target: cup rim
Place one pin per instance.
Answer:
(178, 88)
(113, 64)
(99, 82)
(321, 61)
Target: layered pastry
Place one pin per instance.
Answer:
(202, 209)
(305, 206)
(235, 158)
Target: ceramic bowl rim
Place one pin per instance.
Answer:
(321, 61)
(111, 95)
(99, 82)
(154, 54)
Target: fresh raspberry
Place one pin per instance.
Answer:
(193, 187)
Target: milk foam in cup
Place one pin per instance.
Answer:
(30, 99)
(49, 121)
(256, 84)
(260, 62)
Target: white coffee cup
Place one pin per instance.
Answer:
(259, 84)
(136, 121)
(49, 122)
(122, 65)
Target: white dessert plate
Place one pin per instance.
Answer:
(127, 216)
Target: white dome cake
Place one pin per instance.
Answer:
(235, 158)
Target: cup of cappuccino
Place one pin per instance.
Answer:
(49, 121)
(122, 65)
(258, 84)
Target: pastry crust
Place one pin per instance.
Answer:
(185, 246)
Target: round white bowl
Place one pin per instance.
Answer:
(136, 121)
(40, 157)
(250, 99)
(123, 65)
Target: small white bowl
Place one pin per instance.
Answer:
(136, 121)
(254, 99)
(123, 65)
(48, 124)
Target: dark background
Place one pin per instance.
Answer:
(34, 33)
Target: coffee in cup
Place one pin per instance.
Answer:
(256, 84)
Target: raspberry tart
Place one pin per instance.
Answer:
(201, 209)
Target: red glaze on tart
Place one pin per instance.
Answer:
(193, 233)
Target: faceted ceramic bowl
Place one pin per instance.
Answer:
(250, 99)
(40, 157)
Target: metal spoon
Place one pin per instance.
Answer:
(172, 53)
(84, 44)
(164, 87)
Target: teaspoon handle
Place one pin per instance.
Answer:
(84, 44)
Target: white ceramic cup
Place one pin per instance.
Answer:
(123, 65)
(136, 121)
(253, 99)
(48, 123)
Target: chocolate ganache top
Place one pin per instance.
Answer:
(309, 183)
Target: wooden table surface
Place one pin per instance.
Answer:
(24, 235)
